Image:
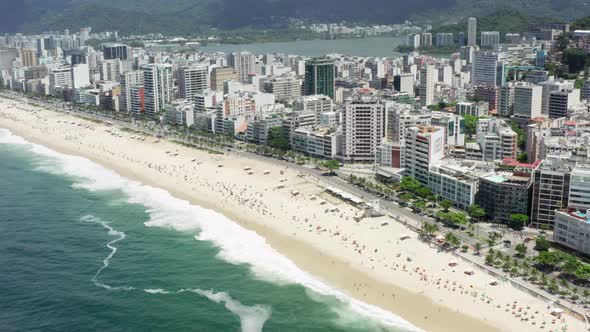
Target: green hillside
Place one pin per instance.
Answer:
(191, 16)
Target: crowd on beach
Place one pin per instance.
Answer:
(298, 205)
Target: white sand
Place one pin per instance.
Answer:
(365, 259)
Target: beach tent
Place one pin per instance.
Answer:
(469, 272)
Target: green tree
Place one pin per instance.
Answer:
(490, 259)
(446, 204)
(277, 140)
(470, 124)
(523, 157)
(576, 59)
(429, 229)
(458, 219)
(476, 212)
(423, 192)
(410, 184)
(553, 288)
(583, 272)
(332, 165)
(548, 260)
(542, 244)
(521, 134)
(452, 240)
(493, 237)
(477, 247)
(420, 205)
(406, 197)
(521, 249)
(570, 265)
(518, 221)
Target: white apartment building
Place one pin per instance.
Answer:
(157, 81)
(110, 70)
(496, 139)
(453, 126)
(128, 80)
(362, 128)
(428, 78)
(321, 142)
(471, 31)
(472, 108)
(506, 100)
(191, 81)
(572, 229)
(579, 196)
(243, 63)
(527, 101)
(489, 39)
(485, 68)
(424, 147)
(285, 88)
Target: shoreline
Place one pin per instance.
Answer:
(340, 271)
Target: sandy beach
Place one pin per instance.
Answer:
(300, 219)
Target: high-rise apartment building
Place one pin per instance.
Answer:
(426, 40)
(116, 51)
(427, 82)
(191, 81)
(471, 31)
(157, 82)
(129, 80)
(506, 100)
(222, 74)
(486, 69)
(243, 63)
(110, 70)
(404, 83)
(496, 139)
(425, 146)
(285, 88)
(362, 129)
(561, 101)
(320, 77)
(551, 188)
(527, 101)
(489, 39)
(28, 57)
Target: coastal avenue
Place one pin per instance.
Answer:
(403, 215)
(391, 208)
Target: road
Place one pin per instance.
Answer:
(387, 207)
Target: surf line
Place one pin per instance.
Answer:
(251, 318)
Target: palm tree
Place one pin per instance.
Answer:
(477, 248)
(452, 240)
(564, 283)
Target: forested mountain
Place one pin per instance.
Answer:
(189, 16)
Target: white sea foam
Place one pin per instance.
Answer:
(156, 291)
(252, 318)
(105, 263)
(237, 245)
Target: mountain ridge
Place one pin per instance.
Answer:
(193, 16)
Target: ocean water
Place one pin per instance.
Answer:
(84, 249)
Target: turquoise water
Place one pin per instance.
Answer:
(83, 249)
